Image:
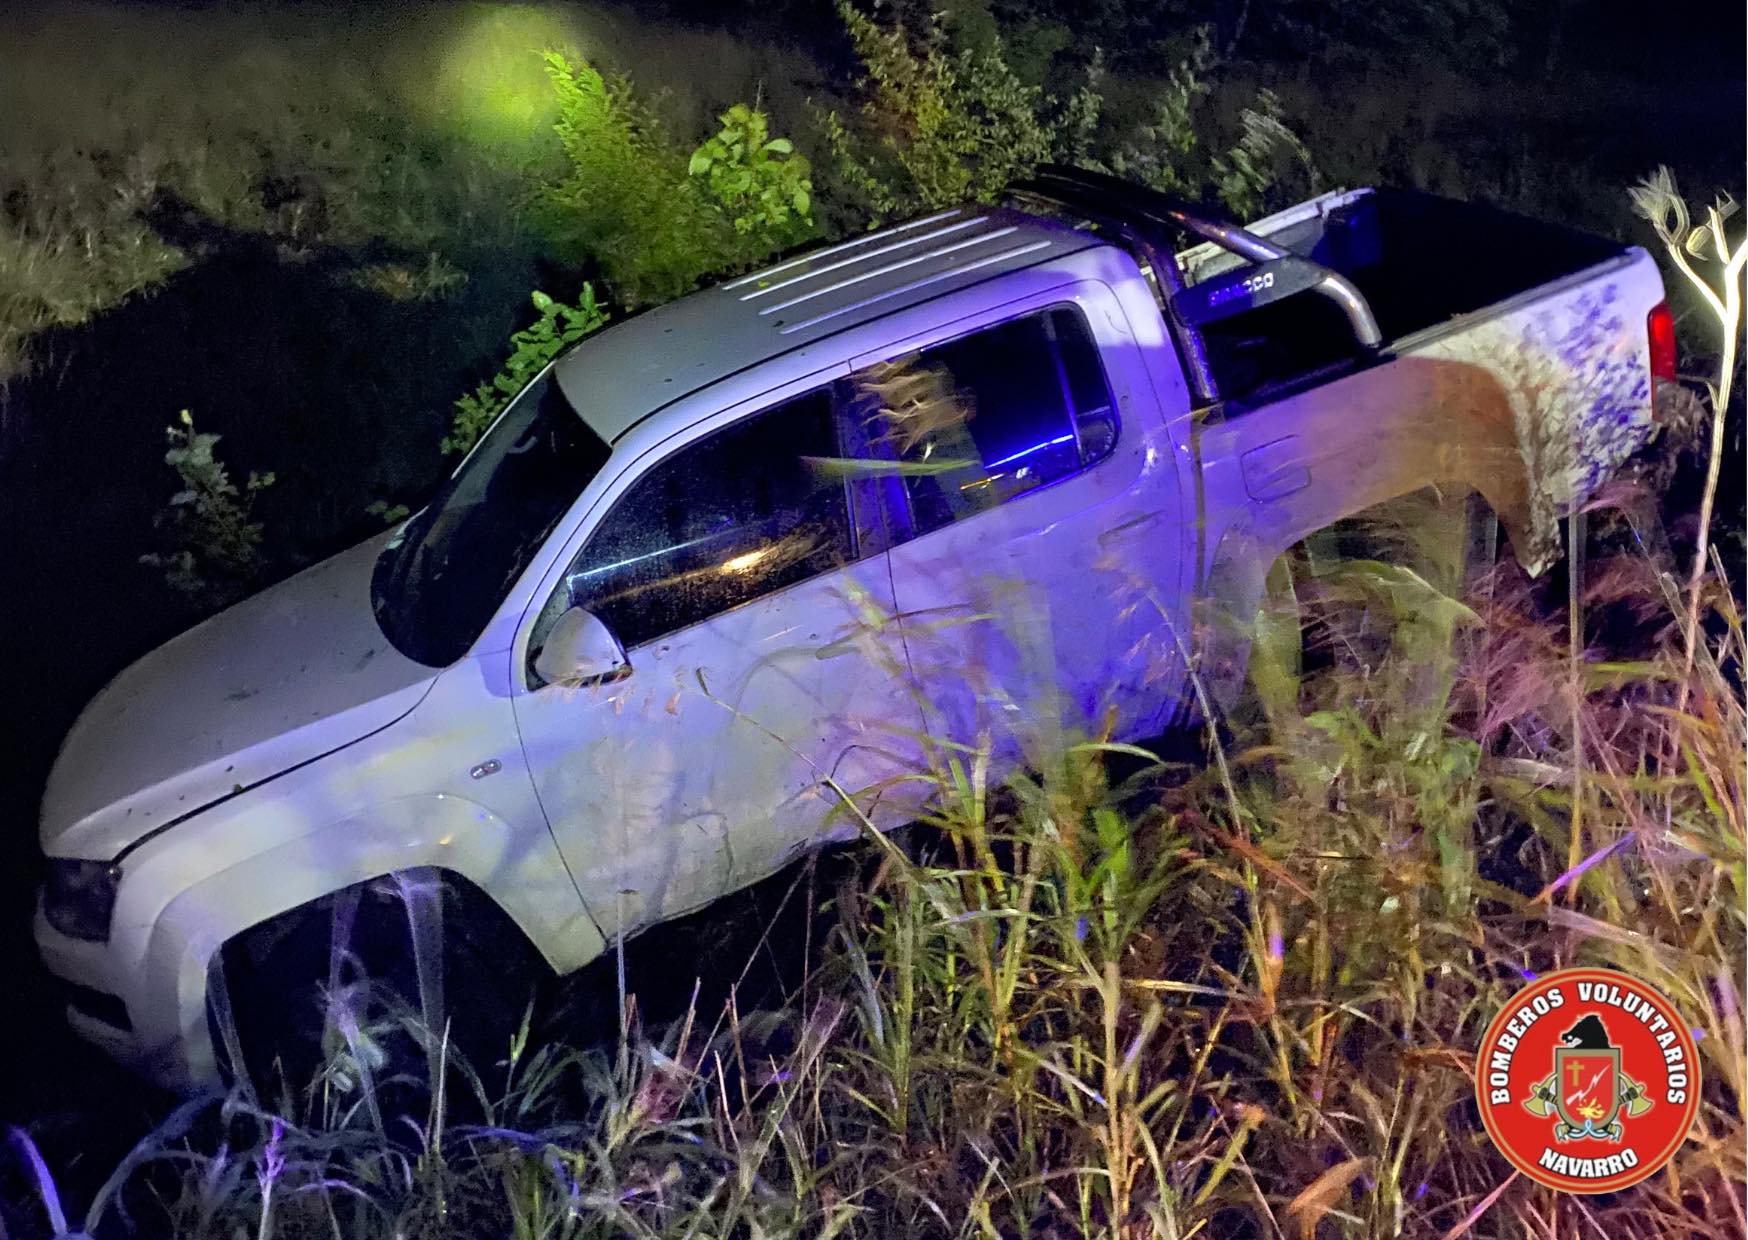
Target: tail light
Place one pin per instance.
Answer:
(1660, 329)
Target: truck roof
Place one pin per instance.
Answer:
(618, 377)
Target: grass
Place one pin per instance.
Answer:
(1115, 997)
(1121, 999)
(275, 148)
(408, 137)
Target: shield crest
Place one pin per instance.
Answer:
(1585, 1085)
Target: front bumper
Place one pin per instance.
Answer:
(137, 997)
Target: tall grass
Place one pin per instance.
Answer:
(113, 173)
(1111, 997)
(1117, 998)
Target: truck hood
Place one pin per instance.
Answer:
(296, 672)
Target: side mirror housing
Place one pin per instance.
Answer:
(580, 650)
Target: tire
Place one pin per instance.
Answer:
(297, 1006)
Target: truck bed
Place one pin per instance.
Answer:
(1423, 263)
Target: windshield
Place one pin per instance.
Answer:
(439, 581)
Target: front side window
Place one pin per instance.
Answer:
(748, 510)
(979, 420)
(440, 580)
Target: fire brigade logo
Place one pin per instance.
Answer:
(1588, 1089)
(1587, 1080)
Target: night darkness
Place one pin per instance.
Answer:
(316, 226)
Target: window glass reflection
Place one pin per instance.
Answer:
(981, 419)
(748, 510)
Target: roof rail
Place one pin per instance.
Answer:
(1134, 208)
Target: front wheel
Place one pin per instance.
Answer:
(365, 987)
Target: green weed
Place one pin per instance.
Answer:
(214, 544)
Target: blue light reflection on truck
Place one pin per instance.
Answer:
(1037, 447)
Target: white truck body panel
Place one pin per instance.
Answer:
(285, 750)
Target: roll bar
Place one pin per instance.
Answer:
(1133, 209)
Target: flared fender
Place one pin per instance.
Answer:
(1335, 450)
(520, 871)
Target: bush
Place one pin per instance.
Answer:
(558, 327)
(215, 546)
(942, 121)
(655, 217)
(757, 182)
(938, 124)
(624, 200)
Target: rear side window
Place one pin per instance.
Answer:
(738, 514)
(982, 419)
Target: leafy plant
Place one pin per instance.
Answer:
(558, 327)
(653, 216)
(216, 545)
(625, 199)
(1266, 157)
(387, 513)
(938, 124)
(1172, 153)
(1657, 201)
(758, 182)
(943, 121)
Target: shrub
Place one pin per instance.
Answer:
(215, 545)
(938, 123)
(942, 121)
(558, 327)
(655, 217)
(757, 182)
(624, 200)
(1172, 152)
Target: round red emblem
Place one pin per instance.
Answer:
(1588, 1080)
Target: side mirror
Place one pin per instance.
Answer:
(579, 650)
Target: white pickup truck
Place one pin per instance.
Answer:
(724, 563)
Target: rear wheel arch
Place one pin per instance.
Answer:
(1238, 576)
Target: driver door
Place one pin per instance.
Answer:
(745, 575)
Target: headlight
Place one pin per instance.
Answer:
(79, 897)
